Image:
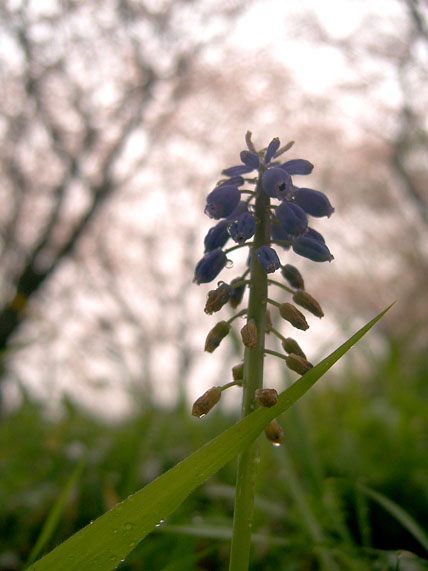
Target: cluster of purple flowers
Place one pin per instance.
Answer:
(289, 225)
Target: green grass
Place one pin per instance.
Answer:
(346, 436)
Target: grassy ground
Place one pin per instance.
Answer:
(316, 493)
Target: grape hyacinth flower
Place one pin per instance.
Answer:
(260, 214)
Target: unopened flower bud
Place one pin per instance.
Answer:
(304, 299)
(291, 346)
(222, 201)
(268, 325)
(293, 315)
(266, 397)
(298, 363)
(243, 227)
(209, 266)
(271, 150)
(238, 372)
(292, 218)
(249, 335)
(215, 336)
(268, 259)
(206, 402)
(297, 166)
(277, 183)
(217, 298)
(312, 249)
(313, 202)
(274, 432)
(217, 236)
(250, 159)
(293, 276)
(237, 292)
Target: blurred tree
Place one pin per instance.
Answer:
(83, 84)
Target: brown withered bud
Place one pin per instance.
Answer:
(266, 397)
(293, 276)
(217, 298)
(215, 336)
(274, 432)
(305, 300)
(206, 402)
(238, 372)
(293, 315)
(249, 335)
(268, 325)
(291, 346)
(298, 364)
(237, 293)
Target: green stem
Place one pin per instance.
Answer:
(276, 354)
(253, 379)
(286, 288)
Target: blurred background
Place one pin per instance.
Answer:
(116, 120)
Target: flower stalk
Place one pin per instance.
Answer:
(253, 379)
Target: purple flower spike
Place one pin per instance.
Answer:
(268, 259)
(297, 166)
(217, 236)
(292, 218)
(313, 249)
(222, 201)
(243, 228)
(277, 183)
(209, 266)
(313, 202)
(250, 159)
(271, 150)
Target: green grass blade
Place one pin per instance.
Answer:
(55, 513)
(103, 544)
(398, 513)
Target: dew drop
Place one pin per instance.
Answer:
(160, 523)
(115, 531)
(132, 544)
(229, 264)
(276, 444)
(128, 525)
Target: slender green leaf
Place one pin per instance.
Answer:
(103, 544)
(399, 513)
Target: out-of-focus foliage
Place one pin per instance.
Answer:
(370, 430)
